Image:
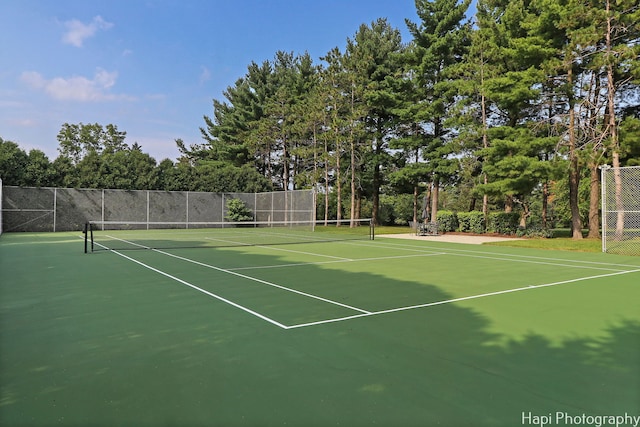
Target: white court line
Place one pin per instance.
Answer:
(453, 300)
(245, 309)
(400, 245)
(273, 248)
(365, 313)
(382, 258)
(486, 256)
(255, 279)
(287, 236)
(264, 282)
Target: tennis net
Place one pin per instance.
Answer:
(114, 235)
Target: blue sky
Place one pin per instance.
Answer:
(153, 67)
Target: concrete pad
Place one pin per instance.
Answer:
(449, 238)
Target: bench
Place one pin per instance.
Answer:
(427, 229)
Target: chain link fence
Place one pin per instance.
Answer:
(68, 209)
(621, 210)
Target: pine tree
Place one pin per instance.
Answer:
(372, 63)
(440, 42)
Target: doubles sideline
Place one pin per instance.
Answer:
(361, 312)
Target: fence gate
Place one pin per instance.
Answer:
(621, 210)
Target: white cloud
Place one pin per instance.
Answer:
(33, 79)
(205, 75)
(26, 123)
(78, 31)
(76, 88)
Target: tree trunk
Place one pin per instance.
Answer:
(353, 183)
(315, 173)
(434, 199)
(326, 183)
(612, 125)
(594, 201)
(545, 204)
(376, 193)
(485, 145)
(526, 213)
(415, 204)
(285, 160)
(574, 171)
(508, 204)
(339, 189)
(574, 182)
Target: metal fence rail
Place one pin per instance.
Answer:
(68, 209)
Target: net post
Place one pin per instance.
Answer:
(85, 232)
(372, 230)
(91, 233)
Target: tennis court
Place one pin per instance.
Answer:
(354, 332)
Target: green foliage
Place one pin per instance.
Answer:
(13, 162)
(221, 177)
(104, 160)
(78, 140)
(535, 232)
(561, 211)
(556, 243)
(447, 220)
(19, 168)
(237, 211)
(39, 171)
(503, 222)
(471, 222)
(396, 209)
(472, 110)
(630, 141)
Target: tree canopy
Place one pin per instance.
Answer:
(517, 107)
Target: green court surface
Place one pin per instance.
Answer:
(354, 333)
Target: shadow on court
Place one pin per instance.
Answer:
(97, 340)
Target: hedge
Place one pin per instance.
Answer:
(471, 222)
(447, 221)
(503, 223)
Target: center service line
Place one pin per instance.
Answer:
(264, 282)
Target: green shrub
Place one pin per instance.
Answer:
(535, 232)
(237, 211)
(471, 222)
(395, 209)
(447, 220)
(403, 209)
(503, 222)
